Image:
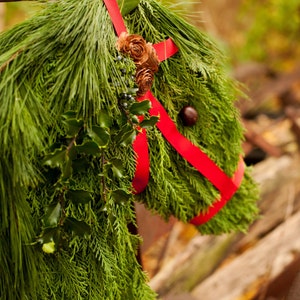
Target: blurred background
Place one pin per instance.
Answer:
(263, 31)
(261, 41)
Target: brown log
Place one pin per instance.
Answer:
(249, 271)
(278, 179)
(198, 260)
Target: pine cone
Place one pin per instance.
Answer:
(144, 57)
(144, 78)
(133, 45)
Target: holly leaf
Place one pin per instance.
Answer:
(70, 114)
(77, 227)
(52, 215)
(104, 119)
(72, 152)
(135, 119)
(122, 119)
(117, 167)
(49, 247)
(126, 136)
(49, 235)
(148, 123)
(88, 147)
(100, 135)
(73, 126)
(78, 196)
(120, 195)
(56, 158)
(67, 168)
(140, 108)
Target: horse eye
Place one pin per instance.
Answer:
(188, 115)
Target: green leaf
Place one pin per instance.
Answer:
(77, 227)
(49, 235)
(67, 168)
(107, 170)
(149, 122)
(73, 126)
(140, 108)
(120, 195)
(122, 119)
(49, 247)
(88, 147)
(128, 137)
(52, 215)
(126, 6)
(55, 146)
(72, 152)
(78, 196)
(100, 135)
(135, 119)
(70, 114)
(56, 158)
(104, 119)
(117, 167)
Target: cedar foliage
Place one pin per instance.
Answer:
(66, 130)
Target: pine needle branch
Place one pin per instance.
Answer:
(15, 0)
(3, 66)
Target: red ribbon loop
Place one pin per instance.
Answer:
(165, 49)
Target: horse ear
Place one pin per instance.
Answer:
(126, 6)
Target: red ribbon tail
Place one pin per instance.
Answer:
(141, 176)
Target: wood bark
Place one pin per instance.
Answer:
(249, 271)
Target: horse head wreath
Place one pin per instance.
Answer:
(227, 186)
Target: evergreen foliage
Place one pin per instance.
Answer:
(68, 117)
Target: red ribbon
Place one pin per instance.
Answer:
(115, 15)
(194, 155)
(165, 49)
(141, 176)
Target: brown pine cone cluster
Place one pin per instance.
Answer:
(144, 57)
